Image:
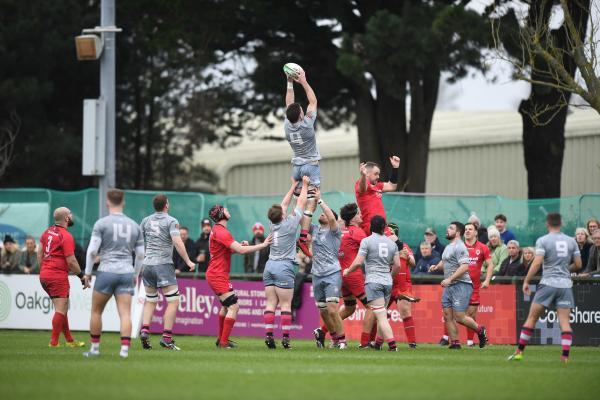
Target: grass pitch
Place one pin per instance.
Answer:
(30, 370)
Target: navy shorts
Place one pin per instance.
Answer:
(111, 283)
(157, 276)
(457, 296)
(280, 273)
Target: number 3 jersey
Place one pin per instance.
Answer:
(58, 244)
(119, 236)
(558, 251)
(379, 252)
(302, 139)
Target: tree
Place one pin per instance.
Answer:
(548, 59)
(8, 136)
(391, 55)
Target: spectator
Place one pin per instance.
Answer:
(593, 264)
(513, 265)
(585, 244)
(203, 255)
(505, 234)
(591, 225)
(428, 258)
(497, 248)
(10, 256)
(190, 248)
(29, 261)
(255, 262)
(430, 237)
(481, 230)
(528, 256)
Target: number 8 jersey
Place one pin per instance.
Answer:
(558, 251)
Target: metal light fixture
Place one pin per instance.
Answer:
(89, 45)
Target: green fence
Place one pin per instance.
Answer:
(413, 212)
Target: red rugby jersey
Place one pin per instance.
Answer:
(351, 238)
(478, 253)
(220, 253)
(58, 244)
(370, 203)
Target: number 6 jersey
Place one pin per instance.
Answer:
(379, 252)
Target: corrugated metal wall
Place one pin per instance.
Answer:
(478, 169)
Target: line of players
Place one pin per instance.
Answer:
(366, 239)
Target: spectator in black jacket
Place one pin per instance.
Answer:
(430, 237)
(585, 244)
(593, 265)
(202, 252)
(255, 262)
(190, 248)
(513, 264)
(428, 258)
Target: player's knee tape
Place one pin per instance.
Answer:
(173, 295)
(308, 214)
(321, 305)
(332, 300)
(152, 298)
(378, 309)
(231, 300)
(350, 303)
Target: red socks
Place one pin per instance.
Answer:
(286, 322)
(269, 318)
(365, 338)
(65, 329)
(221, 319)
(227, 327)
(373, 333)
(57, 327)
(409, 329)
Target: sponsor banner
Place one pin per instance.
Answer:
(25, 305)
(585, 317)
(199, 308)
(496, 312)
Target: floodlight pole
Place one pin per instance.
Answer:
(107, 93)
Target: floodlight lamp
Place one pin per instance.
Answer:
(88, 46)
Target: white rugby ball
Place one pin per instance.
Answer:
(292, 70)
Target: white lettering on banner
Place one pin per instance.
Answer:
(25, 305)
(577, 317)
(190, 301)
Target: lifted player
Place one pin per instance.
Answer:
(114, 238)
(279, 275)
(457, 286)
(300, 134)
(221, 246)
(556, 252)
(378, 253)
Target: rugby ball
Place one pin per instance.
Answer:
(292, 70)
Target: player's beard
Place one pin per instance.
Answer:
(70, 223)
(448, 237)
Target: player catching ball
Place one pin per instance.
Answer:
(221, 246)
(300, 134)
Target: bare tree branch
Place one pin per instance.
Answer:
(8, 136)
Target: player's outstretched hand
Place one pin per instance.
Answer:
(363, 168)
(268, 240)
(395, 161)
(526, 289)
(87, 280)
(301, 78)
(305, 180)
(191, 265)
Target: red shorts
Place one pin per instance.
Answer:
(56, 287)
(219, 284)
(474, 301)
(354, 285)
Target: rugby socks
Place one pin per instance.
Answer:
(409, 329)
(445, 335)
(378, 341)
(373, 333)
(566, 340)
(365, 338)
(526, 334)
(95, 343)
(340, 339)
(269, 318)
(145, 329)
(391, 343)
(286, 323)
(221, 320)
(125, 343)
(167, 336)
(303, 235)
(227, 327)
(470, 336)
(455, 342)
(334, 338)
(57, 324)
(65, 328)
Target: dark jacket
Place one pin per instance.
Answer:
(482, 235)
(422, 266)
(593, 264)
(202, 248)
(436, 247)
(263, 256)
(190, 248)
(512, 267)
(585, 255)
